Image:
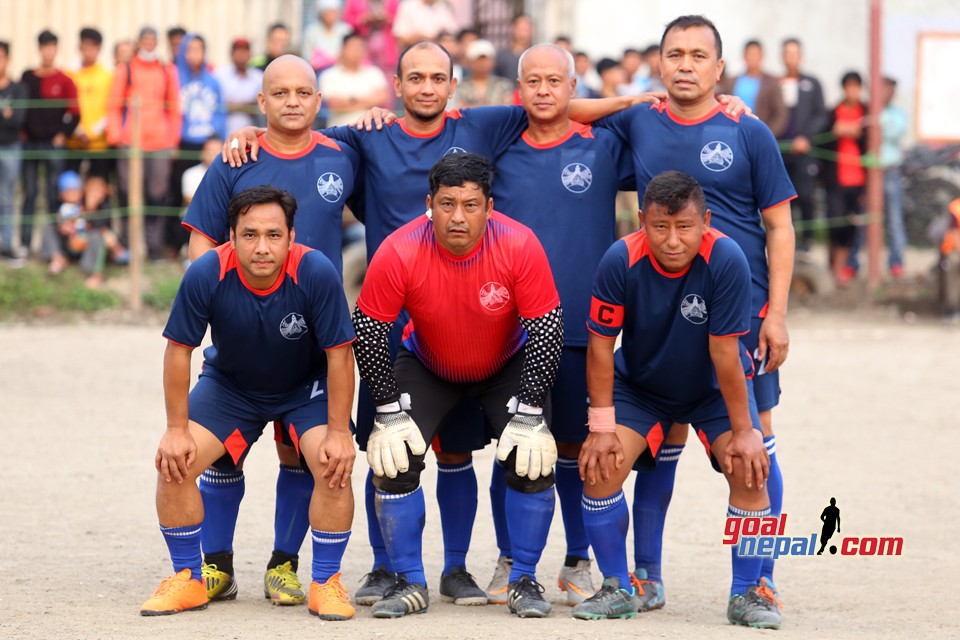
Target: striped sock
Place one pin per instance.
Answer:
(184, 546)
(457, 499)
(402, 517)
(569, 493)
(606, 521)
(222, 492)
(775, 491)
(652, 493)
(328, 549)
(746, 570)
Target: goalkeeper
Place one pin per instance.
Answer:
(485, 322)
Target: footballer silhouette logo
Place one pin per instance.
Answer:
(494, 296)
(293, 326)
(716, 156)
(576, 177)
(454, 150)
(330, 186)
(694, 309)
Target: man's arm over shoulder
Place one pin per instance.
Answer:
(500, 126)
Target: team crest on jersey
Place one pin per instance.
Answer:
(330, 186)
(716, 156)
(293, 326)
(694, 309)
(494, 296)
(454, 150)
(576, 177)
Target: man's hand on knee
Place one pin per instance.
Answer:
(337, 454)
(536, 448)
(175, 453)
(392, 432)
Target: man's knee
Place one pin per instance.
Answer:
(523, 484)
(405, 482)
(444, 457)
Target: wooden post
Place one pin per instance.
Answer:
(135, 191)
(874, 204)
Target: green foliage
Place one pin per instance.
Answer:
(24, 291)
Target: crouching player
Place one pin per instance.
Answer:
(281, 351)
(680, 292)
(485, 323)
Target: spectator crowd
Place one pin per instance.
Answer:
(64, 127)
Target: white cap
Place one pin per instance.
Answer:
(479, 48)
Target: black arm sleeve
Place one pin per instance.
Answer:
(373, 357)
(541, 356)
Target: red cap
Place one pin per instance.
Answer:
(240, 43)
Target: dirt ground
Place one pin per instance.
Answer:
(869, 416)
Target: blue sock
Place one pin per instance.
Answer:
(380, 556)
(401, 519)
(775, 491)
(184, 546)
(606, 521)
(291, 521)
(746, 571)
(222, 492)
(457, 498)
(498, 493)
(528, 517)
(569, 492)
(651, 497)
(328, 548)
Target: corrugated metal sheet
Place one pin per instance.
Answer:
(219, 21)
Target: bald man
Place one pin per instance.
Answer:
(321, 174)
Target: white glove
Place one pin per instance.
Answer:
(536, 448)
(387, 445)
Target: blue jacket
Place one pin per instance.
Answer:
(201, 101)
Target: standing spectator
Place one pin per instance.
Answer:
(278, 43)
(807, 117)
(155, 83)
(565, 43)
(11, 120)
(323, 37)
(123, 52)
(93, 82)
(422, 20)
(588, 81)
(651, 56)
(239, 86)
(351, 87)
(760, 91)
(467, 36)
(45, 130)
(847, 181)
(612, 77)
(631, 63)
(175, 36)
(893, 123)
(373, 19)
(448, 41)
(482, 88)
(204, 115)
(949, 266)
(193, 176)
(521, 37)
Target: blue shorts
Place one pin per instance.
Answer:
(653, 420)
(569, 397)
(238, 420)
(766, 387)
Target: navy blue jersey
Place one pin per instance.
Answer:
(320, 178)
(736, 161)
(668, 318)
(566, 192)
(267, 343)
(397, 162)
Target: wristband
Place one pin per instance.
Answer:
(602, 419)
(390, 407)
